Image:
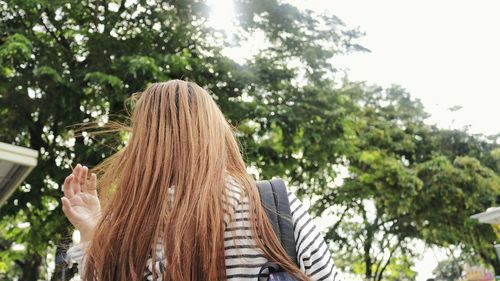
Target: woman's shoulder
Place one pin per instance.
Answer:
(236, 193)
(233, 186)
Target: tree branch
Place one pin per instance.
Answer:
(59, 38)
(336, 225)
(391, 253)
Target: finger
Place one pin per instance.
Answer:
(75, 185)
(92, 185)
(83, 178)
(68, 190)
(76, 170)
(76, 174)
(68, 210)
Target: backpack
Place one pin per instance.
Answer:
(274, 199)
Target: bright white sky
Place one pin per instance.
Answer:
(445, 53)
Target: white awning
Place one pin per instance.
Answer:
(15, 165)
(491, 216)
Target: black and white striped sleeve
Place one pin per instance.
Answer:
(76, 254)
(313, 253)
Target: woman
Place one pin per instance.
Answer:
(176, 201)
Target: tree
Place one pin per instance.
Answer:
(400, 169)
(372, 203)
(69, 62)
(460, 188)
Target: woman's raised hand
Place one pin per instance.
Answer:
(80, 202)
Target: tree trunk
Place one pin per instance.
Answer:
(368, 261)
(31, 268)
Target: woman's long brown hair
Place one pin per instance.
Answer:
(179, 138)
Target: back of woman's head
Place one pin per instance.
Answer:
(179, 141)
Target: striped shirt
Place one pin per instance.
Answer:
(242, 256)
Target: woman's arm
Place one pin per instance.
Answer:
(76, 254)
(313, 253)
(81, 206)
(80, 202)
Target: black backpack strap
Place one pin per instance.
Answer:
(269, 203)
(274, 198)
